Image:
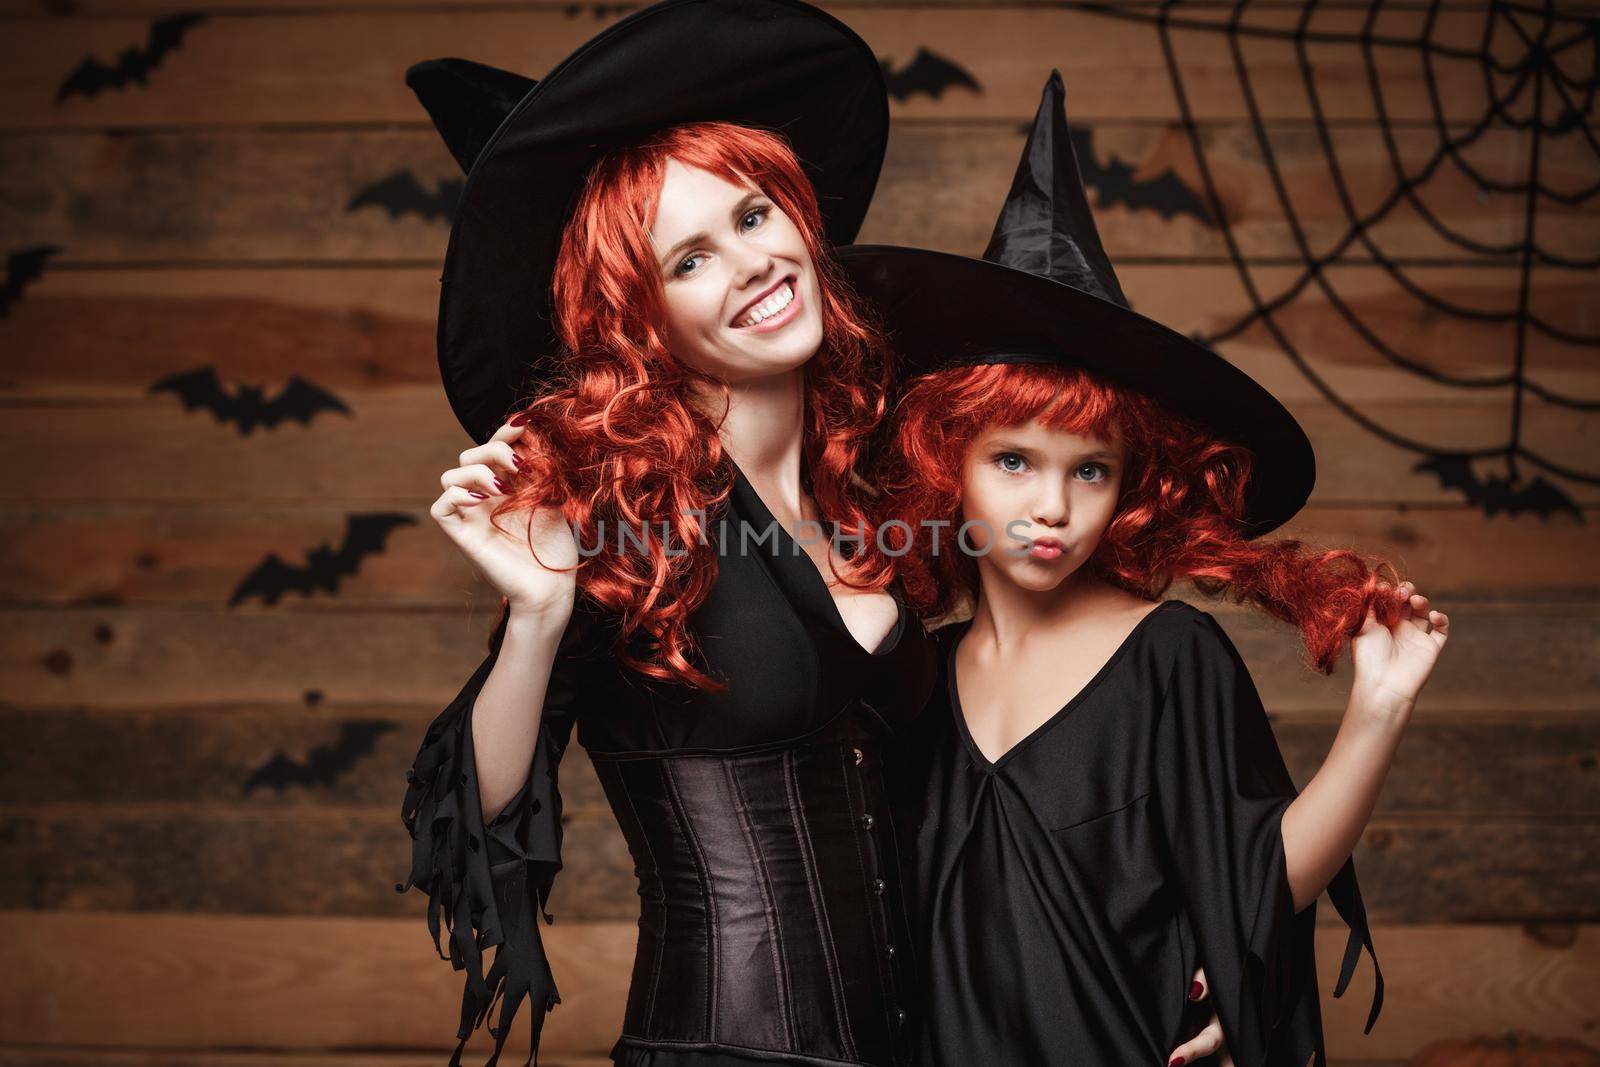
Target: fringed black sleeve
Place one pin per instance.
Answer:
(486, 880)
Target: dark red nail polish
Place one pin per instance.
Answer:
(480, 496)
(1195, 990)
(1177, 1061)
(498, 484)
(517, 460)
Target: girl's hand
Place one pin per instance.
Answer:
(544, 586)
(1392, 663)
(1206, 1042)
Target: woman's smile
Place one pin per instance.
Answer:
(774, 310)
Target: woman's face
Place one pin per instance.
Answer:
(1039, 500)
(742, 297)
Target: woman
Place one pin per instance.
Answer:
(700, 378)
(1100, 801)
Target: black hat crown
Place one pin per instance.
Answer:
(1045, 226)
(467, 101)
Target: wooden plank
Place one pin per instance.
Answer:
(1504, 658)
(131, 554)
(220, 982)
(397, 441)
(346, 861)
(345, 66)
(1519, 767)
(289, 195)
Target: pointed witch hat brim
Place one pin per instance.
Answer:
(527, 146)
(1045, 292)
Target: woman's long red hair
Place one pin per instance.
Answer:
(621, 441)
(1178, 515)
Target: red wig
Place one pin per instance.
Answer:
(621, 443)
(1178, 514)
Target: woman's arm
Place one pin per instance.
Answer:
(508, 709)
(1321, 827)
(529, 556)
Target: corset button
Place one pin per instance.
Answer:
(888, 950)
(877, 886)
(856, 755)
(900, 1015)
(866, 821)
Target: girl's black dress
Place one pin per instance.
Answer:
(1066, 892)
(772, 923)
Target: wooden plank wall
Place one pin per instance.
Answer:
(160, 902)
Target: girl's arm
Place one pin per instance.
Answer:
(1321, 827)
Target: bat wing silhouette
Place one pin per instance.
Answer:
(248, 408)
(401, 192)
(23, 266)
(1166, 192)
(134, 64)
(324, 764)
(365, 535)
(1495, 494)
(928, 72)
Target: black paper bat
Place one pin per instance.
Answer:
(1495, 494)
(401, 192)
(249, 407)
(323, 764)
(134, 64)
(1166, 192)
(325, 566)
(23, 266)
(928, 72)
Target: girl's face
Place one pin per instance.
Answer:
(1039, 500)
(742, 298)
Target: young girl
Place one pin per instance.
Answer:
(1101, 804)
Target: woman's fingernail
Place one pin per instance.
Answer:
(1177, 1061)
(1195, 990)
(517, 460)
(480, 496)
(498, 484)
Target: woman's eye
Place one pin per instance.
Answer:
(684, 263)
(1011, 463)
(758, 214)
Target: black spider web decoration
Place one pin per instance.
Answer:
(1536, 81)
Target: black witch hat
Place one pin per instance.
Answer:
(527, 146)
(1044, 292)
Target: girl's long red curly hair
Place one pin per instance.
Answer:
(1178, 514)
(621, 440)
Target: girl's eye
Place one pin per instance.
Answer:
(755, 213)
(1011, 463)
(1105, 472)
(680, 271)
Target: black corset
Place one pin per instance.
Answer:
(771, 913)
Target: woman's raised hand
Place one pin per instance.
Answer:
(543, 586)
(1392, 663)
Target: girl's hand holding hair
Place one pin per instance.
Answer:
(539, 586)
(1392, 663)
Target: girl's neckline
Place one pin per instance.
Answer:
(791, 550)
(1062, 712)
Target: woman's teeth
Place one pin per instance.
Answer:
(768, 307)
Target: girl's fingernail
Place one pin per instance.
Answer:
(517, 460)
(1195, 990)
(498, 484)
(1177, 1061)
(480, 496)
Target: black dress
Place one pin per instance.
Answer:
(772, 922)
(1067, 891)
